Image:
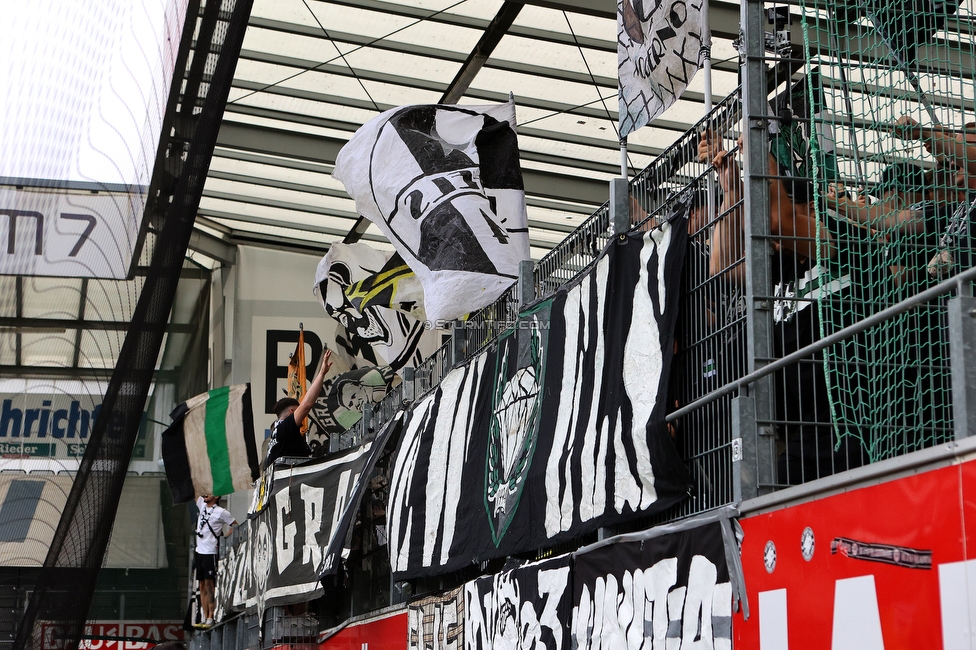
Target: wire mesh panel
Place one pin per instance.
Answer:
(294, 631)
(67, 581)
(711, 322)
(892, 199)
(429, 374)
(864, 209)
(574, 254)
(484, 326)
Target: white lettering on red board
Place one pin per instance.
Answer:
(856, 621)
(155, 631)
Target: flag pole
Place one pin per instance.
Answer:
(620, 195)
(624, 172)
(706, 52)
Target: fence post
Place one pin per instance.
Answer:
(759, 344)
(744, 456)
(962, 355)
(458, 339)
(367, 420)
(526, 282)
(620, 205)
(409, 387)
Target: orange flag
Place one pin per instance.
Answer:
(297, 384)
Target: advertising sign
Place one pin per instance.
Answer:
(70, 234)
(885, 566)
(153, 631)
(82, 109)
(387, 632)
(52, 425)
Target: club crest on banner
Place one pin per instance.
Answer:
(514, 428)
(659, 50)
(444, 184)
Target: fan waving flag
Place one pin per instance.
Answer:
(210, 447)
(444, 184)
(659, 50)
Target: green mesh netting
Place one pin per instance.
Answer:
(867, 65)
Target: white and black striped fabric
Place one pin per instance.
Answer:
(627, 593)
(444, 184)
(670, 591)
(529, 606)
(299, 536)
(553, 431)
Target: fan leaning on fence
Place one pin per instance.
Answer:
(957, 150)
(802, 401)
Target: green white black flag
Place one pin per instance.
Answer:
(210, 447)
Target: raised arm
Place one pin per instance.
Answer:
(940, 142)
(727, 236)
(794, 222)
(879, 216)
(312, 394)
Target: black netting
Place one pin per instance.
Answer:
(60, 603)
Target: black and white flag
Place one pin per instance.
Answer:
(436, 622)
(301, 533)
(659, 50)
(370, 334)
(556, 429)
(529, 606)
(671, 591)
(444, 184)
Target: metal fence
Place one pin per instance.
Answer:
(742, 308)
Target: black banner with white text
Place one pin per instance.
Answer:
(299, 535)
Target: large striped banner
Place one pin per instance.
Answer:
(555, 429)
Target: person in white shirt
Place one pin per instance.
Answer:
(209, 530)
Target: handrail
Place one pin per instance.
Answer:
(826, 341)
(550, 272)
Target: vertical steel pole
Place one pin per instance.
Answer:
(712, 195)
(962, 356)
(756, 210)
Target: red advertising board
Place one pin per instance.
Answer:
(885, 566)
(153, 631)
(387, 632)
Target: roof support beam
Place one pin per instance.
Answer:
(213, 247)
(598, 8)
(476, 59)
(445, 18)
(261, 139)
(390, 45)
(322, 149)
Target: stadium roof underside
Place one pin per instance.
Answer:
(312, 71)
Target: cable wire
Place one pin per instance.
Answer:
(342, 56)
